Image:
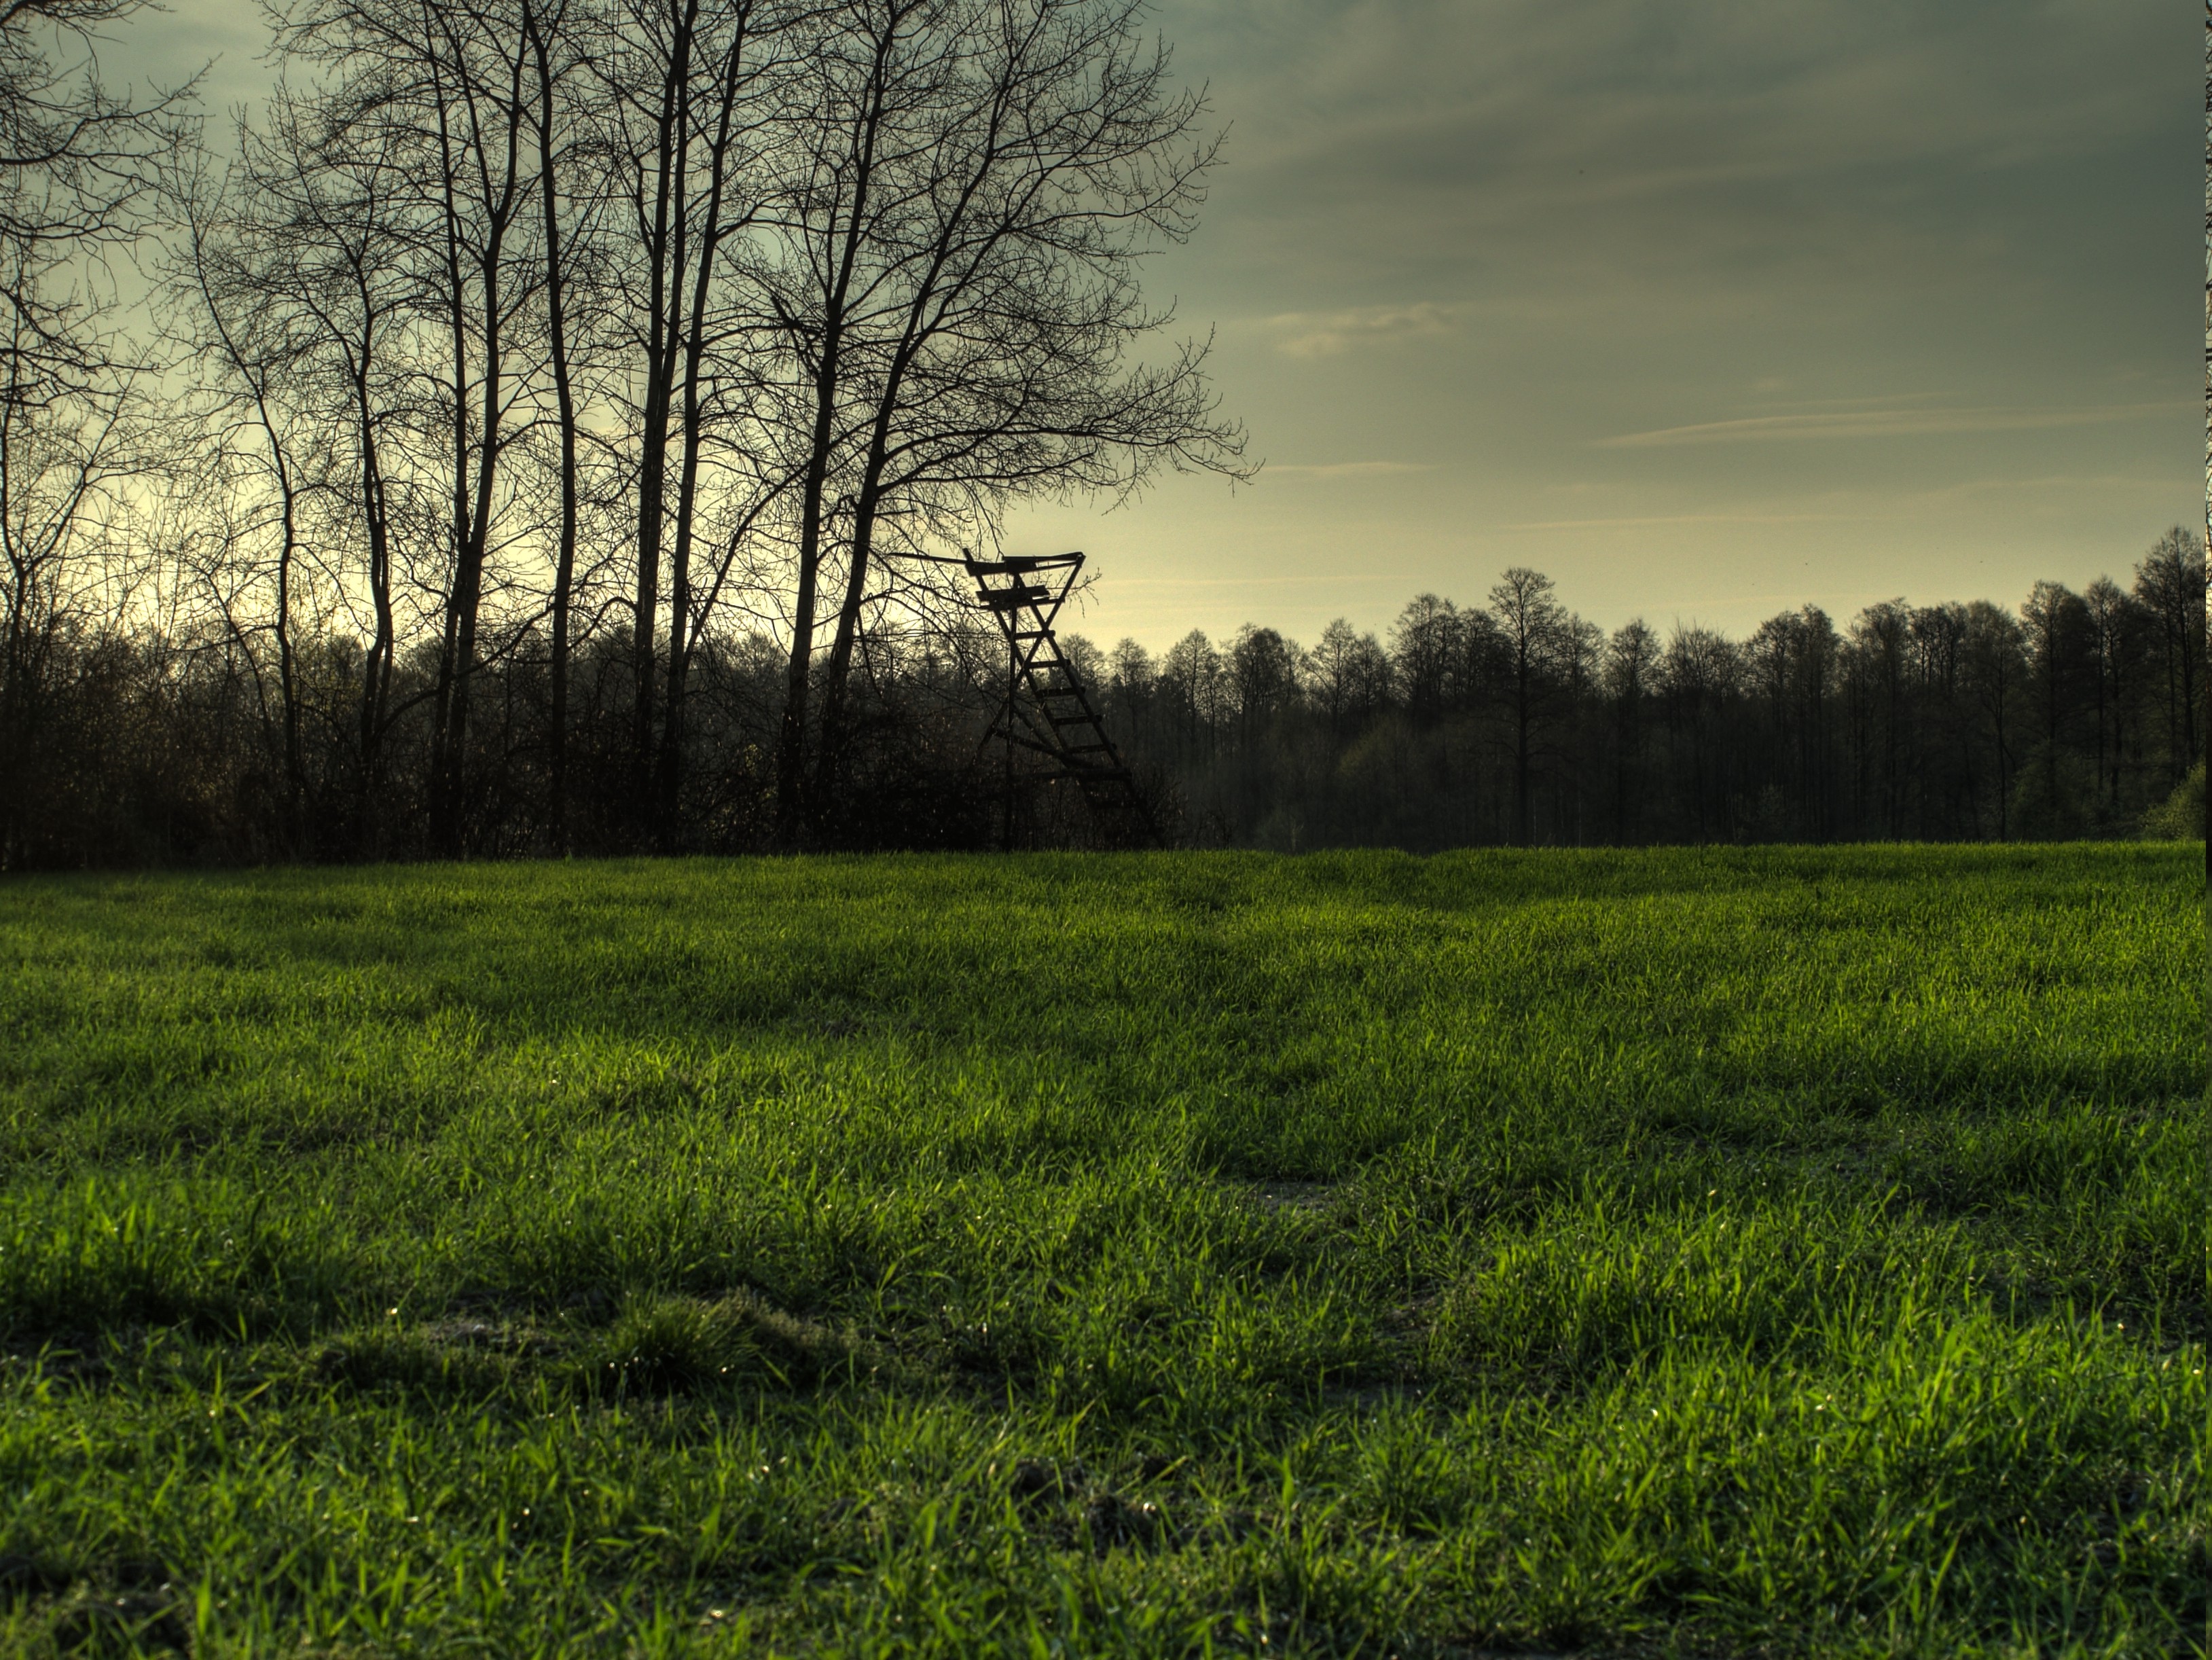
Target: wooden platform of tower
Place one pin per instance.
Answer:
(1048, 708)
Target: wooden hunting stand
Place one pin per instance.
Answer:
(1056, 719)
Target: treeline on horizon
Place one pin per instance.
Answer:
(541, 426)
(1509, 722)
(1514, 722)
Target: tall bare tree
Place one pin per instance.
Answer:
(559, 38)
(2170, 585)
(1532, 625)
(451, 80)
(994, 366)
(254, 350)
(1996, 655)
(860, 162)
(2114, 624)
(305, 246)
(1631, 660)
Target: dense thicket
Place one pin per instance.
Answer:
(547, 429)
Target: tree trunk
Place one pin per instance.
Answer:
(471, 518)
(564, 563)
(295, 775)
(791, 737)
(664, 323)
(449, 709)
(831, 740)
(670, 783)
(376, 668)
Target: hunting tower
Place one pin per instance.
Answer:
(1047, 708)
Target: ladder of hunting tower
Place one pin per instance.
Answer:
(1025, 594)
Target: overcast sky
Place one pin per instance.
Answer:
(1705, 307)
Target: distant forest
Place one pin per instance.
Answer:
(1516, 723)
(545, 427)
(1509, 722)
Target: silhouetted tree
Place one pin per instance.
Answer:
(1535, 635)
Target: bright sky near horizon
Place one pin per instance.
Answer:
(1705, 309)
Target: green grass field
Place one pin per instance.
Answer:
(1723, 1253)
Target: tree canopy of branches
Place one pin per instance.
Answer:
(80, 168)
(522, 328)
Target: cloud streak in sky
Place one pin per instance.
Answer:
(1343, 469)
(1773, 286)
(1326, 334)
(1685, 519)
(1880, 423)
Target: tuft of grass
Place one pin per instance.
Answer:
(1778, 1252)
(682, 1345)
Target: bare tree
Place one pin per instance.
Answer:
(2056, 629)
(1995, 650)
(1631, 660)
(559, 49)
(1947, 772)
(80, 170)
(1348, 673)
(449, 85)
(750, 44)
(1534, 627)
(72, 463)
(860, 162)
(1877, 645)
(1427, 651)
(1193, 684)
(1700, 670)
(2112, 621)
(2170, 585)
(1266, 670)
(693, 86)
(251, 349)
(308, 237)
(1580, 659)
